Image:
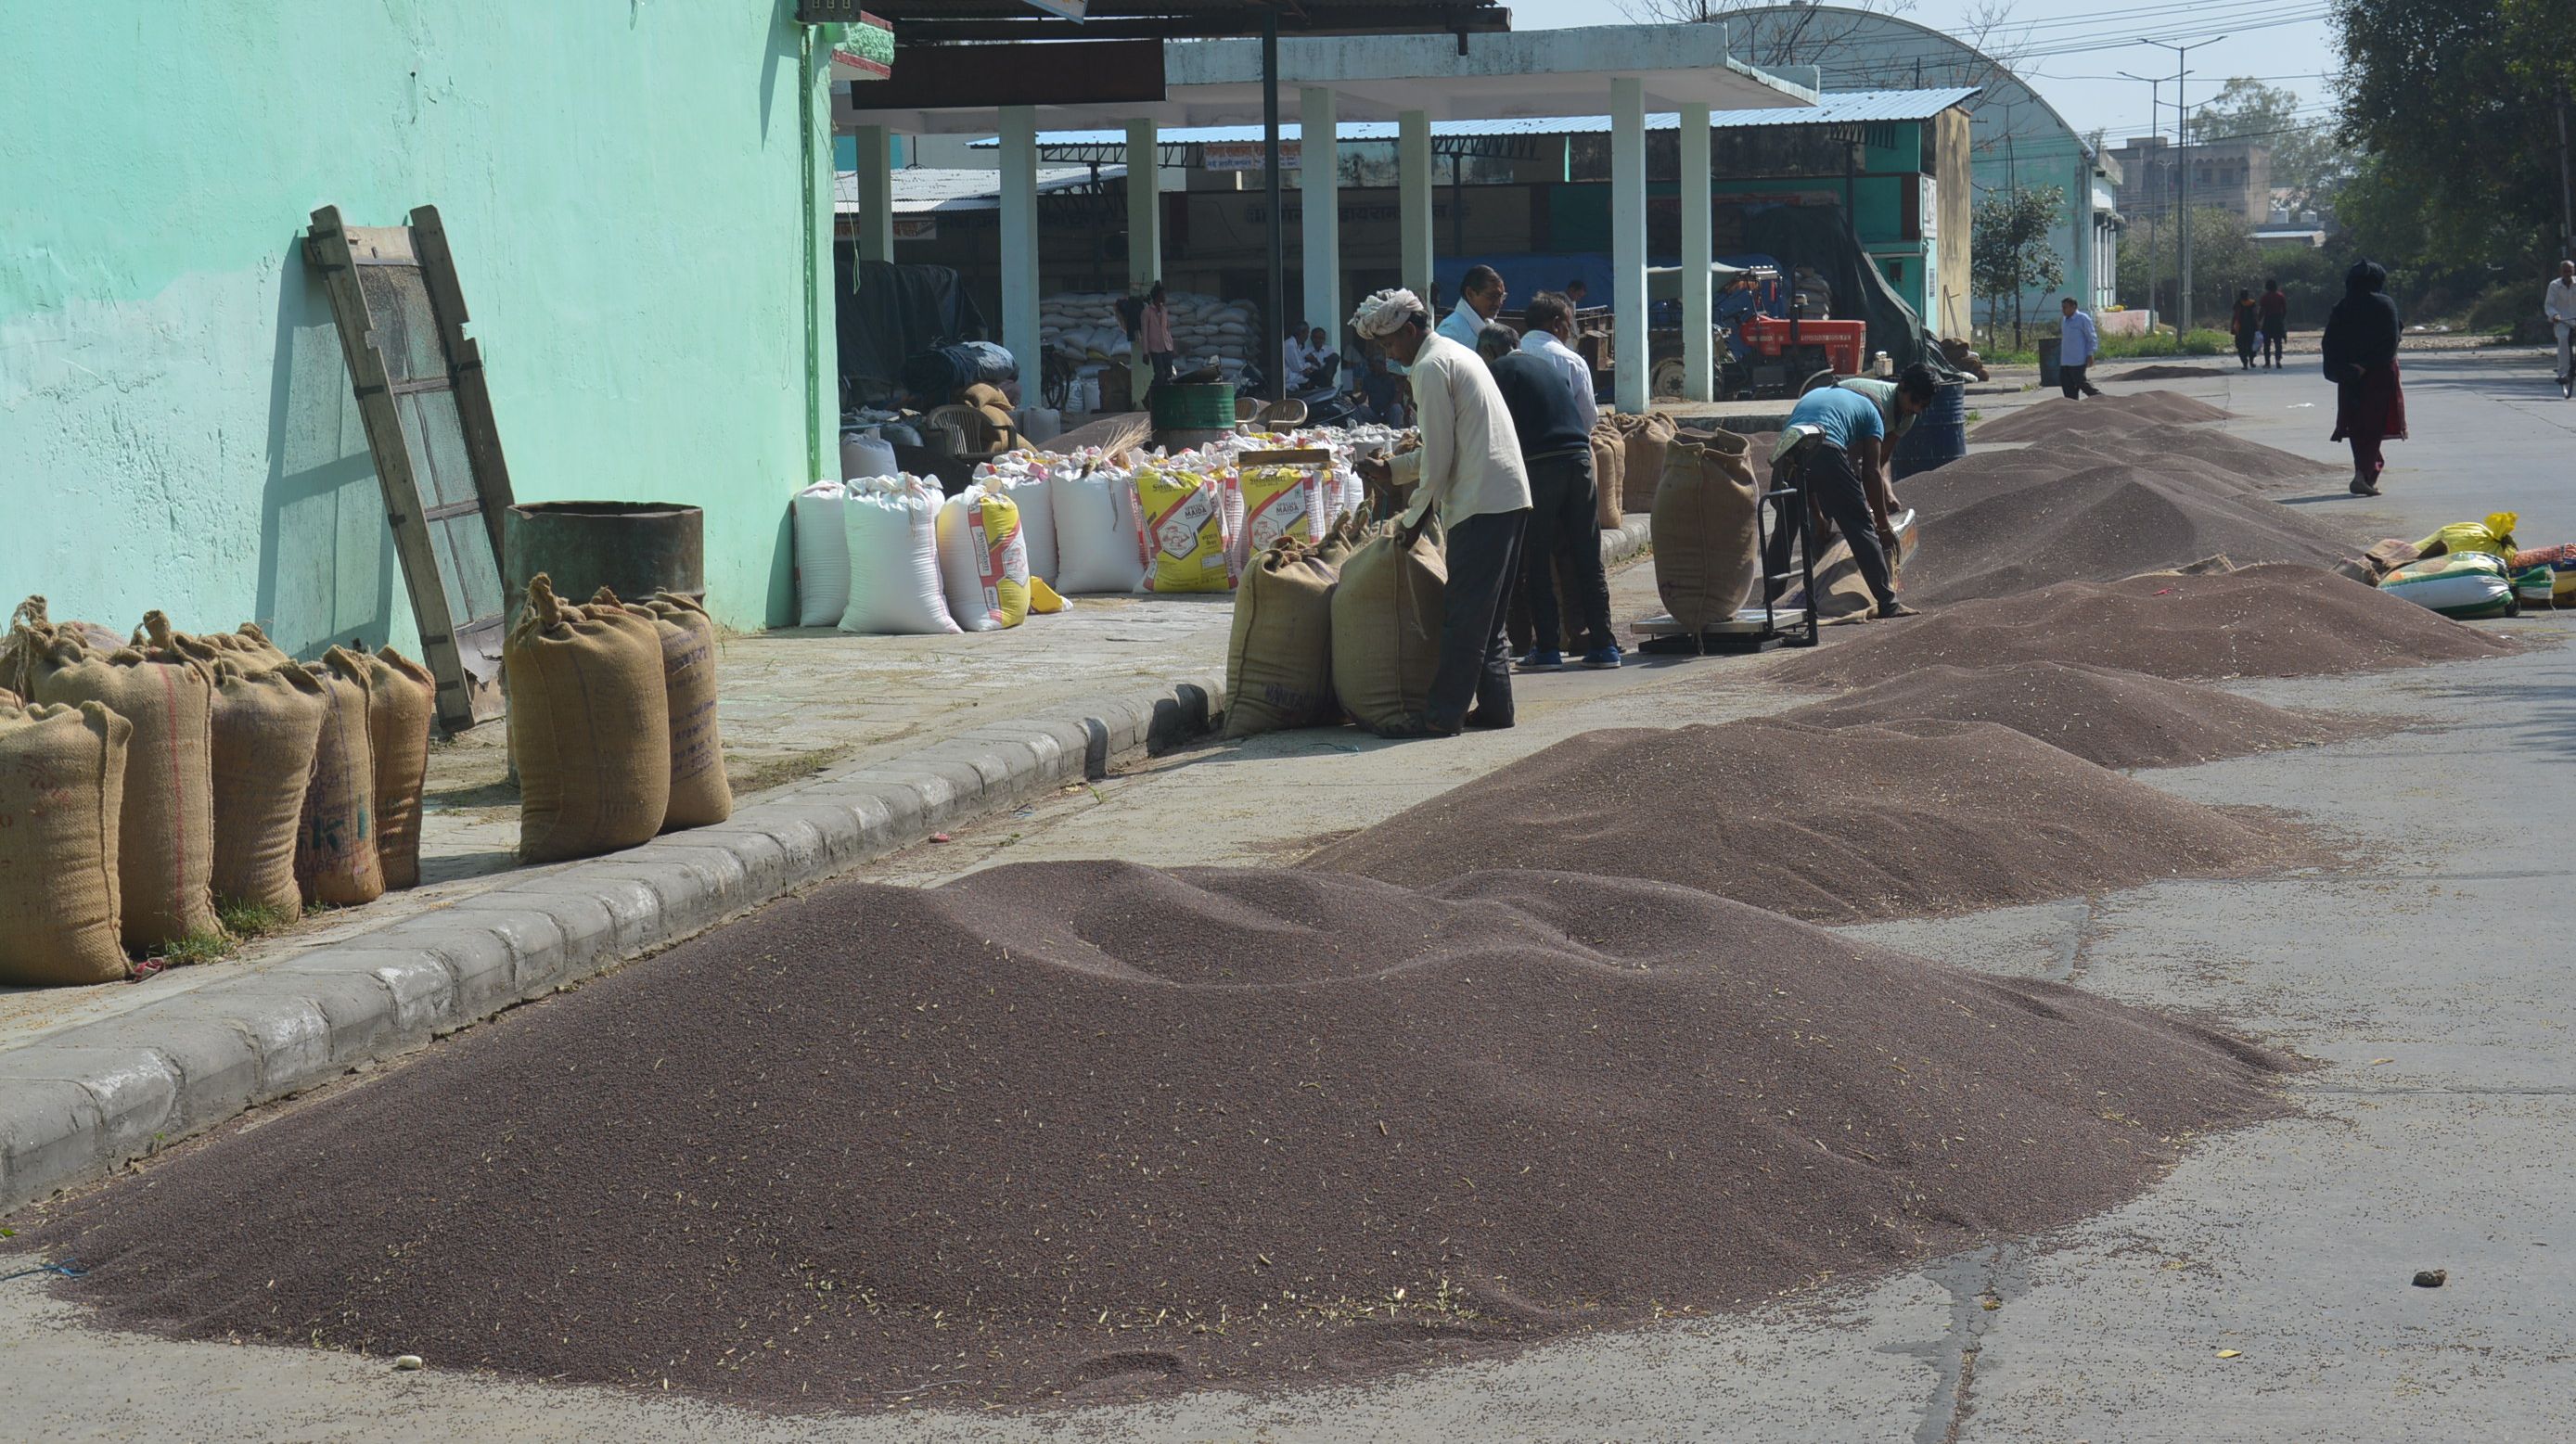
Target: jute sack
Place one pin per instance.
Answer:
(1704, 528)
(402, 700)
(1279, 658)
(26, 652)
(250, 647)
(700, 795)
(1609, 468)
(1386, 627)
(62, 789)
(1643, 467)
(267, 724)
(335, 848)
(590, 725)
(165, 849)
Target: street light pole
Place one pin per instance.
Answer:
(2182, 148)
(2155, 92)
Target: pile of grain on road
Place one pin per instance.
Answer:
(2097, 416)
(2104, 715)
(1833, 825)
(2263, 621)
(1993, 530)
(2165, 371)
(1093, 1129)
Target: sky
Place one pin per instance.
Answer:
(2085, 84)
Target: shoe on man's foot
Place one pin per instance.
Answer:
(1481, 720)
(1603, 659)
(1892, 610)
(1541, 659)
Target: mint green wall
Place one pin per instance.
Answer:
(626, 186)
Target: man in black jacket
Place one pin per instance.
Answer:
(1556, 447)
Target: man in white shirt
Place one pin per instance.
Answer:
(1292, 358)
(2561, 310)
(1469, 469)
(1480, 299)
(2076, 346)
(1547, 331)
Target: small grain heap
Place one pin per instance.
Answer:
(1086, 1130)
(2099, 416)
(2108, 717)
(1832, 825)
(2265, 621)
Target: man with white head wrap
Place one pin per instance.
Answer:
(1470, 469)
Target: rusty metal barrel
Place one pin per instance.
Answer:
(633, 548)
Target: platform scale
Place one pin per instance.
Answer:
(1759, 628)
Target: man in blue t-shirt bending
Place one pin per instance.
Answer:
(1832, 441)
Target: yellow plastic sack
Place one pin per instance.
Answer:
(1280, 503)
(2495, 534)
(983, 565)
(1183, 541)
(1043, 601)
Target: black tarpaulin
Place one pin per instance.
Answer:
(894, 312)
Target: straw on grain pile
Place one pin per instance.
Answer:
(1089, 1129)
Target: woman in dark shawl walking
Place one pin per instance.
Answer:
(2360, 347)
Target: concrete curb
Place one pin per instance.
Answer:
(79, 1104)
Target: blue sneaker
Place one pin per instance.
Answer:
(1603, 660)
(1542, 659)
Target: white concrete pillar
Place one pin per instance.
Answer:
(1144, 233)
(1628, 240)
(1413, 200)
(1698, 361)
(1020, 243)
(876, 193)
(1319, 190)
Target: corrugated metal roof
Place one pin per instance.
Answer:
(923, 190)
(1857, 107)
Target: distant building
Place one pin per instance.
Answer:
(2229, 175)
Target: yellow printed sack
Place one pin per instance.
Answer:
(1183, 539)
(1277, 503)
(2495, 534)
(983, 564)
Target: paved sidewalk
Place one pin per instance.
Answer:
(865, 744)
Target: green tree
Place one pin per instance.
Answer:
(2009, 252)
(2224, 260)
(2306, 161)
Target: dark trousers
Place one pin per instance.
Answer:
(2272, 343)
(1475, 658)
(2245, 348)
(2367, 459)
(2070, 379)
(1564, 540)
(1834, 491)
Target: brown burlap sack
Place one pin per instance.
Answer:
(700, 794)
(1648, 438)
(590, 727)
(62, 791)
(31, 648)
(335, 848)
(249, 646)
(1609, 473)
(1279, 658)
(1704, 528)
(401, 697)
(1386, 627)
(165, 848)
(267, 725)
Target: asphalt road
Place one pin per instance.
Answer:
(2261, 1292)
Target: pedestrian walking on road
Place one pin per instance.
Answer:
(2361, 360)
(2247, 322)
(2559, 305)
(1468, 468)
(2077, 344)
(1555, 435)
(2275, 309)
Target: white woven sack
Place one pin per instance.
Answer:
(1035, 497)
(893, 529)
(865, 454)
(822, 554)
(1096, 547)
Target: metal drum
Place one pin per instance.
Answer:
(1938, 437)
(633, 548)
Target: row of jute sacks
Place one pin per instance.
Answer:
(142, 780)
(1348, 625)
(892, 555)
